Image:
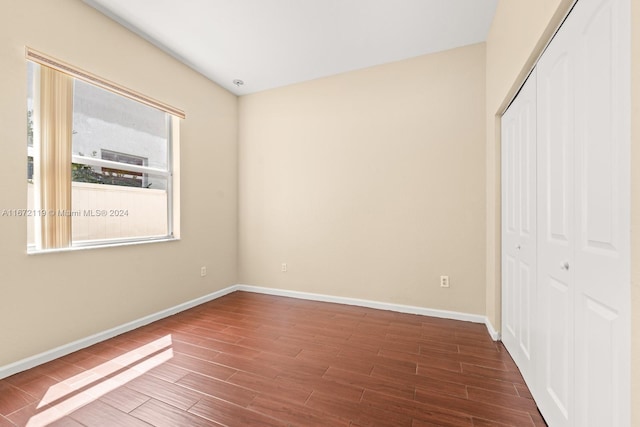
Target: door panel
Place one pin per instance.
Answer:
(600, 380)
(558, 342)
(509, 232)
(526, 304)
(527, 287)
(527, 121)
(555, 391)
(510, 305)
(558, 146)
(599, 161)
(602, 214)
(519, 230)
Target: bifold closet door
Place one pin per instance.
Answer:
(583, 219)
(556, 146)
(519, 228)
(602, 210)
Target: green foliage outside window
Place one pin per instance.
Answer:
(85, 173)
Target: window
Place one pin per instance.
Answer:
(99, 160)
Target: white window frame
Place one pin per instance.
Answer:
(171, 173)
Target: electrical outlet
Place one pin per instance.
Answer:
(283, 267)
(203, 271)
(444, 281)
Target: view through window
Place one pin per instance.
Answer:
(114, 161)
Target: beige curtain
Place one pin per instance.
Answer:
(56, 121)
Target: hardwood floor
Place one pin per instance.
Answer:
(257, 360)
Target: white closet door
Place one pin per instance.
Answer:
(602, 205)
(519, 227)
(556, 109)
(583, 209)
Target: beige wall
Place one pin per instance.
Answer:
(517, 36)
(52, 299)
(369, 184)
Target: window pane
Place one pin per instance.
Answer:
(116, 176)
(111, 127)
(30, 165)
(30, 88)
(118, 212)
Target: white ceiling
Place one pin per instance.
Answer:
(272, 43)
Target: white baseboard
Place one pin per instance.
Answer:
(63, 350)
(492, 331)
(445, 314)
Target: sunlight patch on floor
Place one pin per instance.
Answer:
(79, 390)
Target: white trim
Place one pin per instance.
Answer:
(445, 314)
(63, 350)
(98, 244)
(495, 335)
(93, 161)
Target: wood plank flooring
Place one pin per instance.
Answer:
(257, 360)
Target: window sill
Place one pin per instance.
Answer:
(102, 244)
